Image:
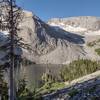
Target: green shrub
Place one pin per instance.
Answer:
(3, 86)
(91, 44)
(97, 51)
(50, 87)
(73, 92)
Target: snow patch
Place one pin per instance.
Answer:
(4, 32)
(76, 30)
(93, 33)
(68, 27)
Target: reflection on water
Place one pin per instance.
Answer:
(33, 73)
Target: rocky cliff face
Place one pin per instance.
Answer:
(51, 43)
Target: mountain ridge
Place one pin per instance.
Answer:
(50, 45)
(86, 22)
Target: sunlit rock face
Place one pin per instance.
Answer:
(49, 45)
(59, 41)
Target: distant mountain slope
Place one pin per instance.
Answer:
(81, 23)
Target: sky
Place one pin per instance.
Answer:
(47, 9)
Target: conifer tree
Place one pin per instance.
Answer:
(10, 15)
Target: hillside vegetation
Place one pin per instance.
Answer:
(78, 69)
(93, 43)
(97, 51)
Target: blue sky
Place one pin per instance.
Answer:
(46, 9)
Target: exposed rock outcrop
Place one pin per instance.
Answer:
(49, 45)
